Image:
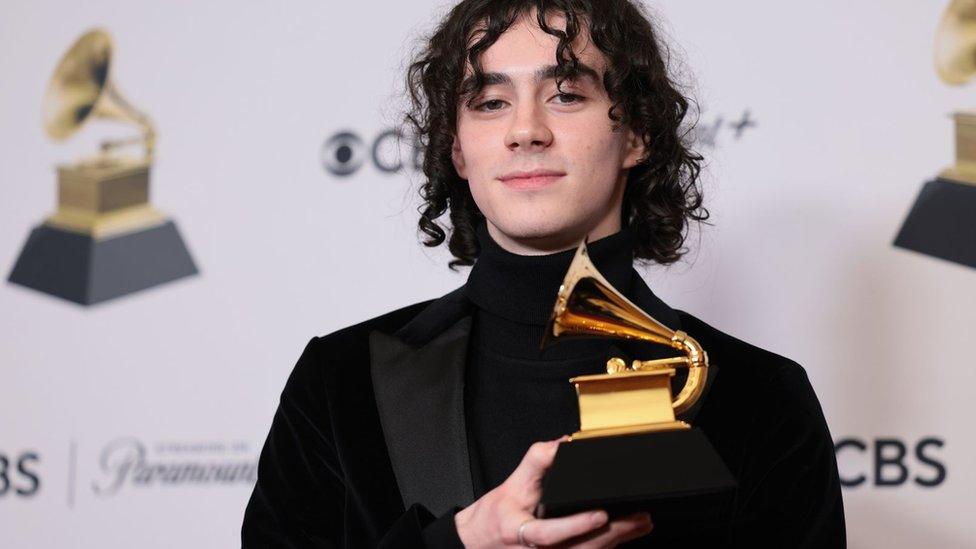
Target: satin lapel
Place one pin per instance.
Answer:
(420, 398)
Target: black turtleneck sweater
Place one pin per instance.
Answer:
(515, 392)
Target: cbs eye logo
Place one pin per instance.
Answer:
(345, 152)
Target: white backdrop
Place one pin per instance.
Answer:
(849, 121)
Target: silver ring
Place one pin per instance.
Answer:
(521, 534)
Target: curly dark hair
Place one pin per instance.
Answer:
(662, 194)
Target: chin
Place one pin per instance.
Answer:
(526, 227)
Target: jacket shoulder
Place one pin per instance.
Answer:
(349, 347)
(746, 360)
(749, 374)
(358, 333)
(414, 324)
(346, 346)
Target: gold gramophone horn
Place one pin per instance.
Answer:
(81, 88)
(587, 305)
(955, 43)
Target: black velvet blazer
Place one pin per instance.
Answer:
(369, 447)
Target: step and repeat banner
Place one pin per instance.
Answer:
(276, 201)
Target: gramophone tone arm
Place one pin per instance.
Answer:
(109, 145)
(694, 356)
(695, 360)
(661, 363)
(147, 140)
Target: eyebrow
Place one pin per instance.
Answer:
(547, 72)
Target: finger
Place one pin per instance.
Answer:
(645, 527)
(535, 463)
(556, 530)
(615, 532)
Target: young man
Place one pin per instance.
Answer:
(543, 123)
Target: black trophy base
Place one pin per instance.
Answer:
(86, 270)
(942, 222)
(624, 474)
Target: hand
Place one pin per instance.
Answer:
(494, 520)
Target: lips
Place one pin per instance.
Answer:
(532, 179)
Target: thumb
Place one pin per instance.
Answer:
(536, 462)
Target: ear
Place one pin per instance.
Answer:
(458, 158)
(636, 150)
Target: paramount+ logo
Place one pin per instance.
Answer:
(127, 464)
(891, 462)
(130, 463)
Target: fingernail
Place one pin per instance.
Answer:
(598, 517)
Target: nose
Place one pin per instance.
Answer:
(528, 131)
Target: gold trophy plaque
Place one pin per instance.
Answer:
(627, 415)
(942, 221)
(105, 239)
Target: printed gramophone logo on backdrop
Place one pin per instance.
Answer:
(942, 222)
(105, 239)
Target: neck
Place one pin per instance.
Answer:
(553, 243)
(515, 293)
(523, 287)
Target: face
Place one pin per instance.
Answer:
(545, 168)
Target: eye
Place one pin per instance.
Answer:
(486, 106)
(571, 97)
